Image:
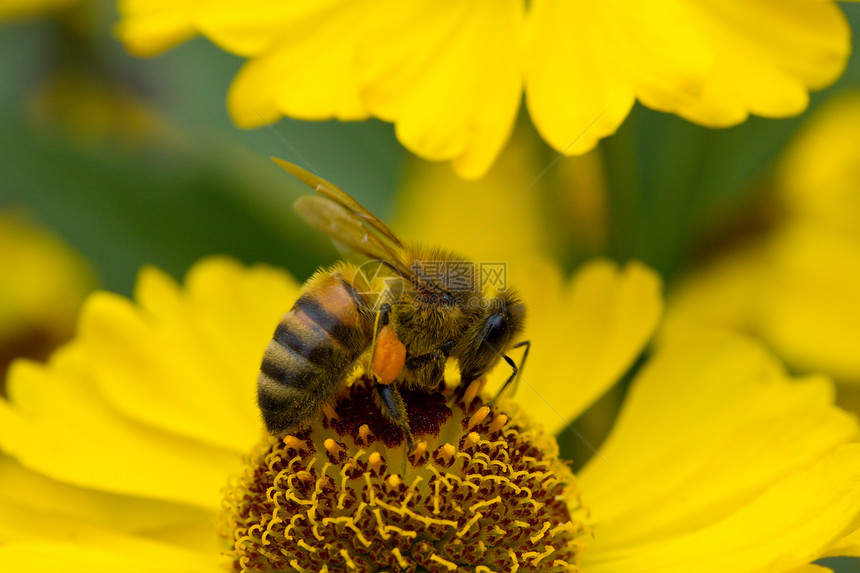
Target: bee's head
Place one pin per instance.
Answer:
(490, 335)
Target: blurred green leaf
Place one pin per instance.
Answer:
(199, 186)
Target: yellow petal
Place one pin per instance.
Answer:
(124, 555)
(187, 363)
(790, 524)
(767, 70)
(37, 507)
(269, 24)
(497, 218)
(48, 285)
(584, 335)
(797, 289)
(746, 426)
(304, 75)
(848, 546)
(158, 401)
(60, 425)
(726, 292)
(574, 93)
(810, 568)
(817, 177)
(149, 27)
(812, 312)
(451, 85)
(588, 61)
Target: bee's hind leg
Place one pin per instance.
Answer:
(392, 402)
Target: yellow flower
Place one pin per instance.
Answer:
(13, 9)
(451, 75)
(91, 113)
(502, 216)
(42, 287)
(797, 286)
(116, 453)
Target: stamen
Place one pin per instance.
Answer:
(375, 464)
(336, 452)
(418, 456)
(365, 436)
(478, 417)
(393, 481)
(497, 424)
(399, 556)
(472, 391)
(444, 454)
(470, 441)
(450, 566)
(292, 442)
(477, 492)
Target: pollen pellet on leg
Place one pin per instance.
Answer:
(389, 356)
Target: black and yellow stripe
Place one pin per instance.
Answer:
(313, 348)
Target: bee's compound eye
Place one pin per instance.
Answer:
(496, 331)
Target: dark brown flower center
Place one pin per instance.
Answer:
(479, 491)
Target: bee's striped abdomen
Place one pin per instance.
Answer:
(313, 347)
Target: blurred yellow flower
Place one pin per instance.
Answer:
(505, 215)
(92, 112)
(41, 290)
(451, 75)
(11, 9)
(798, 285)
(116, 452)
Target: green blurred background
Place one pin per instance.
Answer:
(136, 162)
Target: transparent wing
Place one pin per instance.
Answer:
(332, 192)
(347, 221)
(332, 219)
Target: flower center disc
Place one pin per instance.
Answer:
(479, 491)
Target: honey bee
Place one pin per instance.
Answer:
(398, 312)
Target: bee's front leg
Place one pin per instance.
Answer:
(392, 403)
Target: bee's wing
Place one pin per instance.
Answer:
(332, 192)
(334, 220)
(350, 223)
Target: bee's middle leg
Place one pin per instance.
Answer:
(426, 370)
